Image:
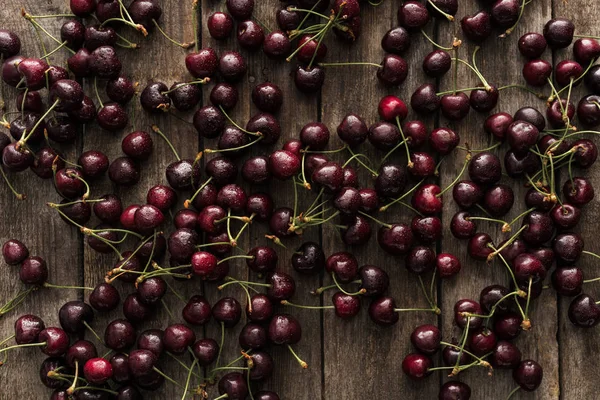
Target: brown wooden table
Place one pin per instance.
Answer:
(348, 360)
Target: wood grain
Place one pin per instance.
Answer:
(501, 64)
(576, 344)
(347, 359)
(36, 225)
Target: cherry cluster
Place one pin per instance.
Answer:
(203, 238)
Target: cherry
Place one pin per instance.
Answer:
(416, 366)
(539, 228)
(393, 70)
(578, 191)
(78, 212)
(264, 259)
(97, 371)
(232, 66)
(528, 375)
(420, 260)
(14, 252)
(202, 64)
(177, 338)
(119, 335)
(141, 362)
(93, 164)
(330, 176)
(426, 339)
(104, 63)
(224, 95)
(124, 171)
(227, 311)
(384, 135)
(369, 200)
(586, 50)
(424, 100)
(309, 80)
(280, 221)
(250, 35)
(30, 101)
(466, 194)
(261, 205)
(505, 13)
(506, 355)
(120, 89)
(55, 74)
(234, 384)
(396, 41)
(104, 297)
(197, 311)
(145, 12)
(427, 199)
(508, 327)
(437, 63)
(137, 145)
(267, 97)
(485, 168)
(151, 290)
(203, 263)
(52, 364)
(154, 98)
(277, 45)
(209, 121)
(79, 63)
(184, 96)
(151, 339)
(128, 392)
(455, 390)
(205, 351)
(315, 134)
(536, 72)
(73, 314)
(413, 15)
(490, 297)
(567, 247)
(566, 216)
(28, 328)
(586, 113)
(559, 33)
(467, 306)
(182, 244)
(532, 45)
(566, 71)
(567, 281)
(80, 352)
(382, 311)
(220, 25)
(185, 174)
(584, 312)
(33, 271)
(33, 72)
(284, 329)
(482, 341)
(267, 125)
(396, 239)
(135, 310)
(514, 249)
(477, 27)
(391, 180)
(282, 164)
(97, 36)
(10, 71)
(253, 336)
(498, 200)
(85, 114)
(10, 44)
(25, 124)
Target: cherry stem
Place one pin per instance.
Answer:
(357, 158)
(429, 300)
(436, 44)
(50, 285)
(287, 303)
(157, 130)
(304, 10)
(16, 301)
(479, 74)
(512, 28)
(185, 45)
(539, 95)
(248, 283)
(589, 253)
(459, 90)
(511, 394)
(19, 196)
(25, 137)
(574, 81)
(448, 16)
(63, 44)
(480, 359)
(187, 202)
(73, 386)
(389, 226)
(505, 225)
(508, 268)
(342, 64)
(39, 27)
(434, 310)
(187, 382)
(399, 199)
(341, 289)
(302, 363)
(180, 85)
(464, 342)
(236, 125)
(320, 290)
(505, 245)
(455, 181)
(249, 144)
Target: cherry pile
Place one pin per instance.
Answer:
(158, 250)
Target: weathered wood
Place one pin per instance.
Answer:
(367, 356)
(32, 222)
(156, 60)
(578, 365)
(501, 64)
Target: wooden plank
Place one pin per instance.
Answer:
(501, 70)
(32, 222)
(576, 344)
(360, 357)
(156, 60)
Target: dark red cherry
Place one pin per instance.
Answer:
(426, 339)
(28, 328)
(14, 252)
(154, 98)
(203, 63)
(10, 44)
(396, 40)
(232, 66)
(587, 111)
(177, 338)
(586, 50)
(426, 199)
(437, 63)
(73, 314)
(455, 107)
(443, 140)
(531, 115)
(309, 80)
(532, 45)
(584, 312)
(120, 89)
(391, 180)
(384, 135)
(505, 13)
(567, 281)
(467, 306)
(497, 124)
(528, 375)
(220, 25)
(498, 200)
(52, 364)
(578, 191)
(506, 355)
(104, 297)
(536, 72)
(566, 216)
(309, 258)
(374, 280)
(482, 100)
(413, 15)
(482, 341)
(416, 366)
(567, 70)
(261, 205)
(33, 271)
(267, 125)
(559, 32)
(393, 70)
(240, 10)
(485, 168)
(478, 246)
(267, 97)
(330, 176)
(227, 311)
(382, 311)
(33, 72)
(477, 27)
(396, 240)
(455, 390)
(567, 247)
(425, 100)
(539, 228)
(466, 194)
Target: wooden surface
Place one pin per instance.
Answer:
(348, 360)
